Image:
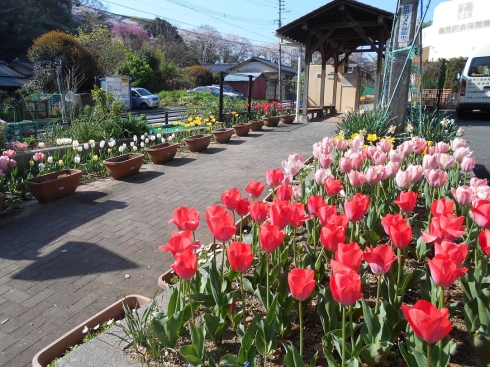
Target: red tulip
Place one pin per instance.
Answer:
(270, 237)
(456, 252)
(274, 177)
(484, 240)
(380, 258)
(298, 215)
(406, 201)
(280, 213)
(301, 283)
(254, 189)
(242, 207)
(400, 234)
(185, 219)
(284, 192)
(442, 206)
(220, 223)
(427, 321)
(314, 203)
(390, 220)
(259, 211)
(185, 264)
(339, 220)
(240, 256)
(331, 235)
(350, 255)
(346, 287)
(481, 213)
(325, 213)
(444, 271)
(333, 187)
(356, 207)
(444, 228)
(230, 198)
(179, 242)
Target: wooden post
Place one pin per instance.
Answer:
(221, 77)
(306, 73)
(322, 84)
(401, 65)
(335, 78)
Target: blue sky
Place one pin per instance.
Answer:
(253, 19)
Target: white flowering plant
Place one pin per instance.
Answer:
(434, 126)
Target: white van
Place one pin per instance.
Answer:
(475, 82)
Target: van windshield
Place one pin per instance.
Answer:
(480, 66)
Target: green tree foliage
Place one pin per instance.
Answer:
(453, 67)
(194, 76)
(430, 76)
(56, 50)
(108, 51)
(22, 21)
(138, 69)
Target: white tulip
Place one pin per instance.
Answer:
(85, 146)
(50, 160)
(163, 139)
(76, 159)
(146, 141)
(142, 144)
(102, 144)
(41, 145)
(80, 148)
(68, 141)
(41, 166)
(142, 137)
(121, 149)
(75, 144)
(135, 138)
(146, 134)
(135, 148)
(59, 141)
(152, 137)
(159, 135)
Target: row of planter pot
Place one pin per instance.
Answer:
(46, 188)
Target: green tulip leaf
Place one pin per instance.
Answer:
(189, 352)
(373, 354)
(203, 299)
(481, 345)
(229, 360)
(215, 327)
(292, 358)
(419, 357)
(412, 280)
(353, 362)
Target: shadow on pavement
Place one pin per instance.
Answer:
(481, 172)
(143, 177)
(177, 162)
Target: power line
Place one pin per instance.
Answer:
(269, 6)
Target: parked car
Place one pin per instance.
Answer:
(142, 98)
(230, 89)
(214, 90)
(475, 82)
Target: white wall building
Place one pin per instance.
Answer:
(458, 27)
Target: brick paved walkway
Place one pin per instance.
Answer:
(62, 262)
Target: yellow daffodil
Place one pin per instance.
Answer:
(409, 128)
(355, 135)
(430, 143)
(362, 132)
(189, 119)
(392, 129)
(31, 163)
(372, 137)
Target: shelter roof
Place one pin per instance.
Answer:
(241, 77)
(345, 23)
(266, 62)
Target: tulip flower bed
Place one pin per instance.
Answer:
(381, 260)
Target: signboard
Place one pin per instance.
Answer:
(405, 24)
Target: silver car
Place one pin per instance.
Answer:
(141, 98)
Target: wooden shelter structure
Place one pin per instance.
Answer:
(336, 30)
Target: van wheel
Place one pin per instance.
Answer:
(144, 106)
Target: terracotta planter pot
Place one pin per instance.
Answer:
(197, 143)
(256, 125)
(59, 346)
(54, 185)
(164, 279)
(242, 129)
(223, 135)
(271, 121)
(287, 119)
(162, 152)
(124, 165)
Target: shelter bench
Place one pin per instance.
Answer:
(318, 111)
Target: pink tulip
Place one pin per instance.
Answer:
(317, 149)
(4, 163)
(384, 145)
(291, 167)
(391, 169)
(435, 177)
(9, 153)
(328, 143)
(463, 195)
(430, 162)
(274, 177)
(379, 157)
(405, 148)
(321, 175)
(370, 151)
(395, 156)
(375, 174)
(457, 143)
(446, 161)
(22, 147)
(325, 160)
(296, 192)
(345, 164)
(431, 150)
(481, 193)
(12, 163)
(461, 152)
(418, 144)
(356, 178)
(342, 144)
(39, 157)
(403, 179)
(476, 182)
(468, 163)
(357, 142)
(296, 157)
(442, 147)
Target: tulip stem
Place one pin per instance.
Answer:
(190, 301)
(400, 267)
(441, 299)
(352, 232)
(241, 223)
(351, 328)
(267, 281)
(429, 352)
(343, 335)
(378, 291)
(294, 246)
(243, 298)
(223, 263)
(314, 233)
(300, 328)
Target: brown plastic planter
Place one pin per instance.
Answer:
(287, 119)
(124, 165)
(162, 152)
(271, 121)
(242, 129)
(59, 346)
(54, 185)
(164, 279)
(223, 135)
(197, 143)
(256, 125)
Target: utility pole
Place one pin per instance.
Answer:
(281, 8)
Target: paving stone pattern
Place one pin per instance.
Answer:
(62, 262)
